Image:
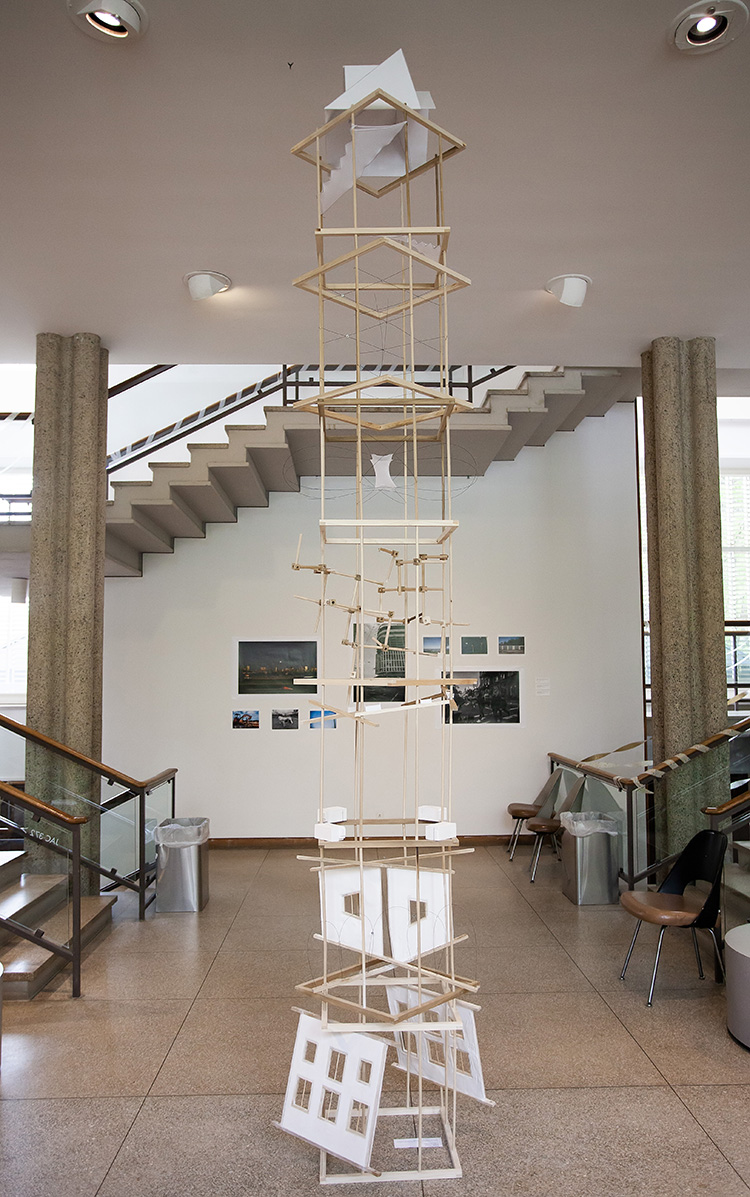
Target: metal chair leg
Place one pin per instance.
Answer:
(556, 846)
(656, 965)
(514, 838)
(537, 854)
(697, 954)
(630, 949)
(717, 950)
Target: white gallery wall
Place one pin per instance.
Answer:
(547, 549)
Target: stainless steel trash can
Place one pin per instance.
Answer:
(590, 859)
(737, 964)
(181, 864)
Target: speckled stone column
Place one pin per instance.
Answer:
(66, 578)
(688, 672)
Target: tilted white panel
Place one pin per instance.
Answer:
(448, 1057)
(419, 917)
(333, 1092)
(351, 908)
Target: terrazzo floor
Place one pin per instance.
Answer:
(166, 1076)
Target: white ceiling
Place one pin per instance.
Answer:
(592, 147)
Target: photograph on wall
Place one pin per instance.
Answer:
(431, 645)
(246, 719)
(511, 644)
(474, 646)
(270, 666)
(287, 720)
(324, 719)
(492, 698)
(384, 657)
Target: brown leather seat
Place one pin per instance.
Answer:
(674, 905)
(522, 810)
(665, 910)
(543, 803)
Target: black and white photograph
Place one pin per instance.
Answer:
(493, 698)
(286, 720)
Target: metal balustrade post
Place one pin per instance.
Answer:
(142, 854)
(76, 896)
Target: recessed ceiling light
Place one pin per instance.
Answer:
(109, 20)
(570, 289)
(202, 284)
(704, 27)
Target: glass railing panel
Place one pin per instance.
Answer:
(37, 892)
(736, 879)
(159, 806)
(12, 756)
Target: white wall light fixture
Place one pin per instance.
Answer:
(109, 20)
(704, 27)
(570, 289)
(202, 284)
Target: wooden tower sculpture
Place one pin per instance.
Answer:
(385, 608)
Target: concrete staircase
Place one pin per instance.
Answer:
(40, 902)
(256, 460)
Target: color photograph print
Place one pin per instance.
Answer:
(384, 657)
(270, 666)
(284, 720)
(492, 698)
(474, 646)
(511, 644)
(324, 719)
(431, 645)
(246, 719)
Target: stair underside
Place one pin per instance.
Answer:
(255, 460)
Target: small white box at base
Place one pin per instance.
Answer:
(440, 831)
(329, 832)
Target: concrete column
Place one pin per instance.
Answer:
(688, 673)
(66, 578)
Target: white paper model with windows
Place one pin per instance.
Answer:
(386, 858)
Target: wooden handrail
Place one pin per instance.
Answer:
(726, 806)
(591, 769)
(70, 754)
(667, 766)
(44, 808)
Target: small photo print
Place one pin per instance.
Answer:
(326, 719)
(245, 719)
(511, 644)
(473, 646)
(431, 645)
(284, 720)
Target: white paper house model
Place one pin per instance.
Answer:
(448, 1057)
(351, 909)
(333, 1092)
(419, 912)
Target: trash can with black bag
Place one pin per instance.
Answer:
(181, 864)
(590, 858)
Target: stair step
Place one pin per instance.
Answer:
(28, 967)
(31, 899)
(11, 865)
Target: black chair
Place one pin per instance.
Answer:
(547, 823)
(671, 906)
(521, 811)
